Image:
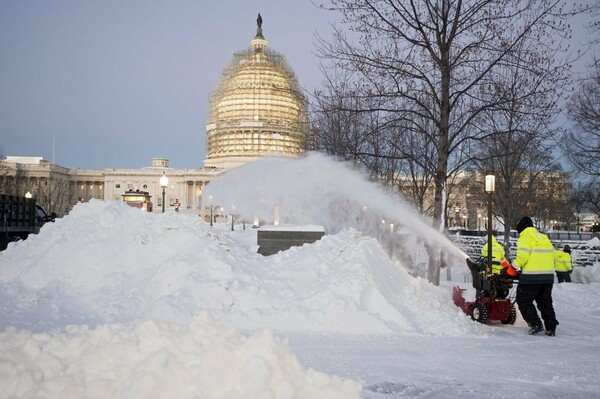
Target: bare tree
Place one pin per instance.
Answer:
(54, 195)
(429, 60)
(525, 90)
(4, 171)
(337, 120)
(12, 181)
(582, 145)
(577, 205)
(345, 125)
(591, 196)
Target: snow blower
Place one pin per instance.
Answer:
(492, 301)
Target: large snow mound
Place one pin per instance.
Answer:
(586, 275)
(109, 263)
(159, 360)
(594, 242)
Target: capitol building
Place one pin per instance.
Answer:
(256, 110)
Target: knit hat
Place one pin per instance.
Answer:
(567, 249)
(524, 223)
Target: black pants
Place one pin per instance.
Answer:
(542, 295)
(563, 277)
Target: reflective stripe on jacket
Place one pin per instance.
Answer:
(497, 255)
(562, 261)
(535, 257)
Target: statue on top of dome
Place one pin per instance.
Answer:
(259, 34)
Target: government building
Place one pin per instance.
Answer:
(257, 109)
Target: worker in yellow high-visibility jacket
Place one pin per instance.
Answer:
(535, 259)
(563, 265)
(497, 255)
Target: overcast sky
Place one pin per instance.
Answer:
(117, 83)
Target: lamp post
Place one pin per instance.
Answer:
(28, 194)
(457, 216)
(490, 187)
(232, 213)
(164, 182)
(211, 209)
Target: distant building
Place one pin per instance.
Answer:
(467, 201)
(58, 189)
(257, 110)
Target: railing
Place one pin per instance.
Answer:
(553, 235)
(571, 235)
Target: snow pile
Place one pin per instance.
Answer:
(111, 301)
(109, 263)
(158, 360)
(586, 275)
(589, 274)
(576, 307)
(594, 242)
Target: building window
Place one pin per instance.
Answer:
(91, 187)
(117, 185)
(145, 186)
(82, 187)
(159, 201)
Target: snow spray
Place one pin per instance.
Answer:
(317, 190)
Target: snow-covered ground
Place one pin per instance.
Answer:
(113, 302)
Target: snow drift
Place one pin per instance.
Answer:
(109, 263)
(159, 360)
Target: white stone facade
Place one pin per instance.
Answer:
(36, 175)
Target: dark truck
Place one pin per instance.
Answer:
(19, 217)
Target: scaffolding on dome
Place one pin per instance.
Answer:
(258, 107)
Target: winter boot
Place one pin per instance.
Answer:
(535, 329)
(550, 333)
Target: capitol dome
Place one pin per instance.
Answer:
(257, 109)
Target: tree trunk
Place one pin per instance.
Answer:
(433, 263)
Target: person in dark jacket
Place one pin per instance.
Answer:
(535, 259)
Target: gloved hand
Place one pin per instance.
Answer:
(513, 271)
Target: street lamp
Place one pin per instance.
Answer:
(490, 187)
(164, 182)
(27, 194)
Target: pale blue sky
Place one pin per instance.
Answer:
(117, 83)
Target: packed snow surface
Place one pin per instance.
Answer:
(110, 301)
